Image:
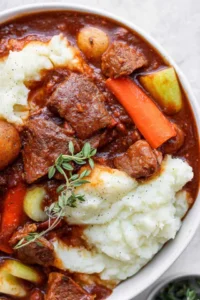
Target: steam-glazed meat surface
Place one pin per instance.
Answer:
(40, 252)
(22, 232)
(63, 287)
(139, 160)
(79, 101)
(120, 60)
(100, 140)
(43, 142)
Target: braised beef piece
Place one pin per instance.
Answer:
(175, 143)
(101, 139)
(139, 160)
(12, 175)
(63, 287)
(121, 143)
(68, 128)
(51, 194)
(32, 227)
(121, 60)
(80, 102)
(22, 232)
(43, 142)
(40, 252)
(113, 105)
(46, 114)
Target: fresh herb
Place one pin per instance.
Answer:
(180, 289)
(191, 295)
(63, 162)
(64, 165)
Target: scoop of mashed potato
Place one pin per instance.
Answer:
(103, 196)
(128, 222)
(26, 65)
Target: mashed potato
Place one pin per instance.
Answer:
(128, 222)
(103, 196)
(26, 65)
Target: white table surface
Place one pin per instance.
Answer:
(176, 25)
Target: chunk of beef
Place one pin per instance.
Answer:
(46, 114)
(121, 143)
(43, 142)
(116, 109)
(63, 287)
(40, 252)
(118, 145)
(120, 60)
(68, 128)
(21, 233)
(12, 175)
(79, 101)
(175, 143)
(99, 140)
(139, 160)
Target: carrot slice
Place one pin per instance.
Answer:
(150, 121)
(12, 215)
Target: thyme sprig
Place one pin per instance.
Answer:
(64, 165)
(183, 290)
(191, 295)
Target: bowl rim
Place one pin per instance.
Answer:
(169, 279)
(154, 269)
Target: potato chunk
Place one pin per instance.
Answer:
(9, 144)
(92, 41)
(163, 85)
(33, 204)
(11, 271)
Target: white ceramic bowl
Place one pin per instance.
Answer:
(165, 258)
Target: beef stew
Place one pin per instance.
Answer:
(70, 109)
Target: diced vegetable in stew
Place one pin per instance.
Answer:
(11, 274)
(164, 87)
(33, 202)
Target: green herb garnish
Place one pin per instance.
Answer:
(180, 289)
(64, 164)
(191, 295)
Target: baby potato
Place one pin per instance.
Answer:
(9, 143)
(33, 204)
(92, 41)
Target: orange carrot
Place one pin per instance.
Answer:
(11, 216)
(150, 121)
